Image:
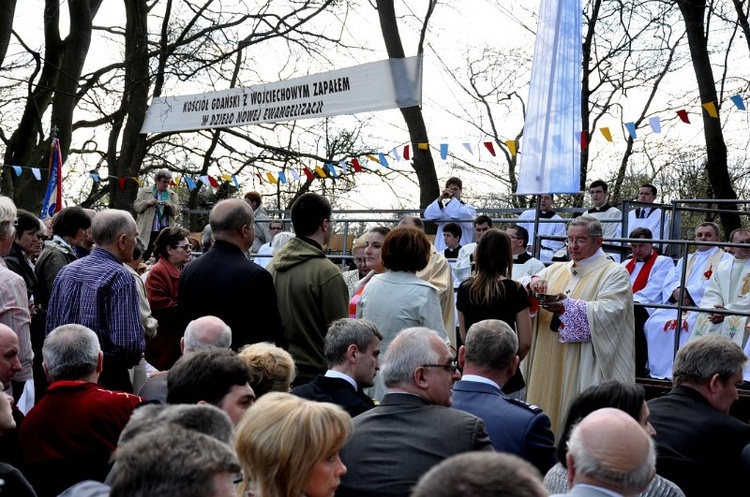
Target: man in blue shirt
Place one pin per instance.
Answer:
(98, 292)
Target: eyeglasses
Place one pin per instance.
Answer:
(451, 367)
(185, 246)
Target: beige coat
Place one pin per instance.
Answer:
(145, 213)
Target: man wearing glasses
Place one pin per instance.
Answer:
(412, 429)
(583, 333)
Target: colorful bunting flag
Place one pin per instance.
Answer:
(17, 170)
(711, 109)
(236, 183)
(121, 182)
(212, 181)
(190, 183)
(396, 155)
(443, 151)
(282, 178)
(383, 161)
(37, 173)
(423, 146)
(467, 146)
(511, 144)
(342, 165)
(607, 133)
(294, 175)
(683, 116)
(95, 177)
(260, 178)
(271, 178)
(372, 158)
(309, 174)
(320, 171)
(655, 124)
(584, 140)
(738, 102)
(406, 152)
(631, 130)
(358, 168)
(490, 146)
(333, 170)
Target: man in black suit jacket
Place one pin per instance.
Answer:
(225, 284)
(489, 358)
(351, 347)
(700, 446)
(412, 429)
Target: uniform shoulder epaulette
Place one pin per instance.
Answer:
(526, 405)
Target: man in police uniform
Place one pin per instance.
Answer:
(489, 359)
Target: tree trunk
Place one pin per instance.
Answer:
(134, 104)
(693, 12)
(7, 10)
(423, 164)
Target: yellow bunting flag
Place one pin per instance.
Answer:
(607, 133)
(136, 180)
(711, 109)
(226, 177)
(320, 171)
(423, 146)
(373, 158)
(511, 144)
(271, 178)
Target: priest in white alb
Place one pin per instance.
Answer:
(662, 324)
(584, 336)
(648, 271)
(729, 289)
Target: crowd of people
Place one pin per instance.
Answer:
(131, 367)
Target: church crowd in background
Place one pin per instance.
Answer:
(494, 359)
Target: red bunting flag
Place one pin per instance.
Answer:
(683, 116)
(490, 147)
(584, 140)
(213, 182)
(406, 152)
(309, 174)
(260, 178)
(122, 183)
(356, 166)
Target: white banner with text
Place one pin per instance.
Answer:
(386, 84)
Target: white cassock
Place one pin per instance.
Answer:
(548, 247)
(651, 218)
(525, 265)
(729, 286)
(454, 211)
(612, 229)
(661, 326)
(661, 271)
(264, 255)
(462, 268)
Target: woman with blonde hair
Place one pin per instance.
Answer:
(289, 447)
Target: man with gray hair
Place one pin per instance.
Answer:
(413, 421)
(351, 347)
(100, 293)
(488, 360)
(609, 453)
(584, 328)
(695, 434)
(157, 208)
(224, 283)
(57, 453)
(206, 331)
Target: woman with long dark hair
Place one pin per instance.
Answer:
(492, 294)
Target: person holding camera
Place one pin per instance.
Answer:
(156, 208)
(449, 207)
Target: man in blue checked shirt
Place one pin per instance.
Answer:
(99, 293)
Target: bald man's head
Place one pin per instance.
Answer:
(610, 449)
(206, 331)
(9, 363)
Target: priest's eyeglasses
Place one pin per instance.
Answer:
(578, 241)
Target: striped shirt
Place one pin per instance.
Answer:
(14, 313)
(99, 293)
